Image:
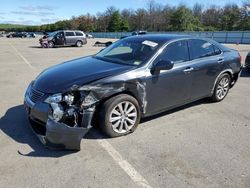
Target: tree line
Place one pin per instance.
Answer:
(157, 17)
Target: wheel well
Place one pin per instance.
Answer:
(233, 77)
(79, 41)
(226, 72)
(98, 107)
(229, 73)
(123, 92)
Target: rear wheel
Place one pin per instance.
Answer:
(221, 88)
(120, 115)
(79, 43)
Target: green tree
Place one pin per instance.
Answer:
(245, 16)
(230, 17)
(183, 20)
(124, 25)
(115, 22)
(211, 18)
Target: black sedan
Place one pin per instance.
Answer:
(17, 35)
(247, 62)
(135, 77)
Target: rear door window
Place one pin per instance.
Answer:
(69, 34)
(176, 52)
(201, 48)
(79, 33)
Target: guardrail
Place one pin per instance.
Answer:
(240, 37)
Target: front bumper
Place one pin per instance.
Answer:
(54, 134)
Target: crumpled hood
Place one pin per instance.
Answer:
(80, 71)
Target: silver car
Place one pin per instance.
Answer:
(65, 38)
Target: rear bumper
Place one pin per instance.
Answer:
(54, 135)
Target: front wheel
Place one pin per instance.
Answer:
(221, 88)
(51, 44)
(119, 115)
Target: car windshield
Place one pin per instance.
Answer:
(52, 34)
(129, 51)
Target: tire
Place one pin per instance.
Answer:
(51, 44)
(79, 43)
(221, 88)
(124, 122)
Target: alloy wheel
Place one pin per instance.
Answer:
(222, 88)
(123, 117)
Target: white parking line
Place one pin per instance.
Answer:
(128, 168)
(22, 57)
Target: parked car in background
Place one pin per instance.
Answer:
(247, 62)
(31, 35)
(135, 33)
(65, 38)
(17, 35)
(139, 33)
(89, 36)
(135, 77)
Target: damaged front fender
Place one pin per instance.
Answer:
(104, 90)
(70, 116)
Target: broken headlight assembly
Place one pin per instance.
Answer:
(70, 108)
(63, 109)
(56, 98)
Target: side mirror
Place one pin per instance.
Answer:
(162, 65)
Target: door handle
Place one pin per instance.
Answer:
(188, 69)
(220, 60)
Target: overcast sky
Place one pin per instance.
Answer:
(36, 12)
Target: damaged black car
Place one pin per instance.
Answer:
(134, 77)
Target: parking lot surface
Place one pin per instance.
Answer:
(199, 145)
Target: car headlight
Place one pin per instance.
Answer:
(69, 99)
(56, 98)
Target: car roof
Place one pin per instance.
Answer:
(159, 37)
(164, 38)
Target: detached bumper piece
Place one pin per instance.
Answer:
(59, 136)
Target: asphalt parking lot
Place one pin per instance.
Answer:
(199, 145)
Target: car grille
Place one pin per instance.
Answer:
(35, 95)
